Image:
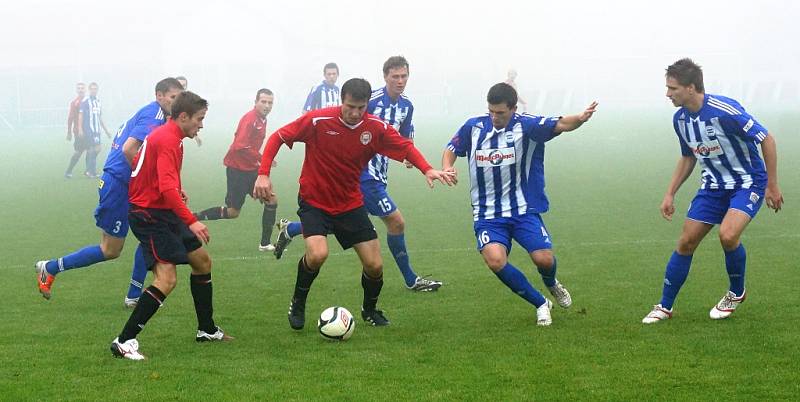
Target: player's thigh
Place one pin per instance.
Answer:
(111, 214)
(164, 238)
(743, 206)
(376, 199)
(353, 227)
(240, 185)
(200, 261)
(369, 252)
(493, 238)
(316, 250)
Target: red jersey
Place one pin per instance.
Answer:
(244, 154)
(72, 118)
(337, 153)
(156, 177)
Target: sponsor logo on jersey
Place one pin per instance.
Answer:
(706, 149)
(495, 157)
(331, 132)
(366, 137)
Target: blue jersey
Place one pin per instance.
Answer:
(322, 96)
(724, 138)
(91, 110)
(139, 126)
(506, 166)
(398, 114)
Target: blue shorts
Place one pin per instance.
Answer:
(376, 199)
(111, 213)
(528, 230)
(710, 206)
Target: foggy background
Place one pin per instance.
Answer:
(567, 53)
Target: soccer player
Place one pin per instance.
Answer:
(166, 228)
(512, 80)
(505, 152)
(735, 182)
(90, 121)
(393, 106)
(325, 94)
(111, 214)
(339, 142)
(241, 168)
(79, 144)
(185, 83)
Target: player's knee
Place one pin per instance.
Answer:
(543, 260)
(110, 251)
(315, 258)
(395, 223)
(687, 245)
(729, 239)
(374, 269)
(495, 262)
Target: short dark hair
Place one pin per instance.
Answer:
(188, 102)
(358, 89)
(167, 84)
(264, 91)
(330, 65)
(94, 83)
(502, 93)
(394, 62)
(687, 72)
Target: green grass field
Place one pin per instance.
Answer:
(472, 340)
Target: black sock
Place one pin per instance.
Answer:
(202, 293)
(305, 277)
(372, 289)
(72, 162)
(213, 214)
(149, 302)
(268, 222)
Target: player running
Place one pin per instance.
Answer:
(505, 152)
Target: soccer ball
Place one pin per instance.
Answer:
(336, 323)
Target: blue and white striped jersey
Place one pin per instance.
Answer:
(91, 110)
(322, 96)
(724, 138)
(506, 166)
(139, 126)
(398, 114)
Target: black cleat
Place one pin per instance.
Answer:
(283, 239)
(297, 314)
(374, 318)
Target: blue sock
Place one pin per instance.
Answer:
(735, 265)
(397, 245)
(674, 277)
(84, 257)
(138, 275)
(518, 283)
(294, 229)
(549, 275)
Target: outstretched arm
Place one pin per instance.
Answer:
(571, 122)
(448, 160)
(773, 195)
(682, 171)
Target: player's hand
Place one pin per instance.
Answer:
(201, 231)
(184, 196)
(452, 170)
(408, 164)
(440, 176)
(774, 197)
(263, 189)
(198, 140)
(667, 207)
(587, 114)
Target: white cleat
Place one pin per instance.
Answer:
(127, 350)
(657, 314)
(561, 294)
(543, 318)
(268, 247)
(726, 306)
(219, 335)
(131, 303)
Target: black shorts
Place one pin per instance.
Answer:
(240, 185)
(164, 237)
(351, 227)
(81, 143)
